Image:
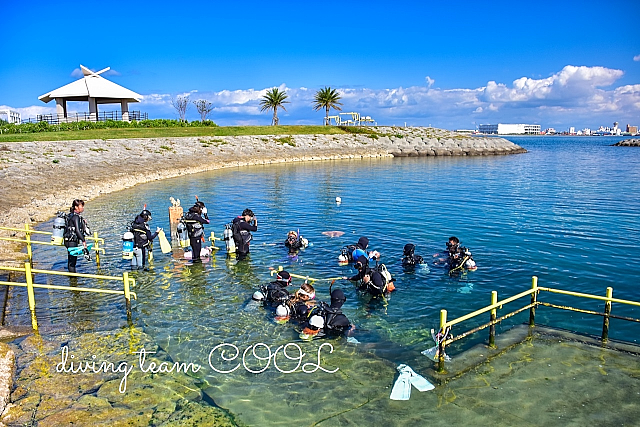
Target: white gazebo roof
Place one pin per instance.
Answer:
(92, 85)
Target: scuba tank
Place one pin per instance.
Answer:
(183, 236)
(228, 239)
(127, 245)
(59, 224)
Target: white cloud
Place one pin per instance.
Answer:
(429, 81)
(636, 58)
(587, 94)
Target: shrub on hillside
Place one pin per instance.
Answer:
(10, 128)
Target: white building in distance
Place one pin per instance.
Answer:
(509, 129)
(10, 116)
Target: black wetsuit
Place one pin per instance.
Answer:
(412, 261)
(335, 322)
(142, 236)
(243, 236)
(74, 236)
(294, 246)
(375, 286)
(299, 311)
(196, 231)
(275, 293)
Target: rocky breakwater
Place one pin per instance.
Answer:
(421, 142)
(628, 143)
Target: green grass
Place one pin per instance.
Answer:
(173, 132)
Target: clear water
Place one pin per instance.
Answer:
(567, 212)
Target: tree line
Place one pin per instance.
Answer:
(326, 98)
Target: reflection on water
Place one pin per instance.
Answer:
(558, 212)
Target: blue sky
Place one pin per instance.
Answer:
(452, 65)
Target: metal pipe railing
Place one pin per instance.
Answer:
(495, 305)
(30, 285)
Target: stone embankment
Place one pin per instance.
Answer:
(40, 178)
(628, 143)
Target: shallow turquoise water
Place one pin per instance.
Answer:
(567, 211)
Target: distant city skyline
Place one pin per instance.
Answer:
(452, 66)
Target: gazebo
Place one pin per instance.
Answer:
(94, 89)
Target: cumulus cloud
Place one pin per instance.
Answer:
(636, 58)
(587, 94)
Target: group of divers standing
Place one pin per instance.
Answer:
(316, 318)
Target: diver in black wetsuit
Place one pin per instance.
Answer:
(328, 319)
(459, 257)
(371, 280)
(142, 236)
(74, 234)
(242, 226)
(275, 293)
(409, 259)
(195, 222)
(295, 242)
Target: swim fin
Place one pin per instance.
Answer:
(418, 381)
(164, 243)
(402, 387)
(79, 250)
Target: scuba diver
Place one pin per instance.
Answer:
(297, 307)
(75, 230)
(327, 319)
(275, 293)
(458, 257)
(194, 222)
(142, 238)
(376, 281)
(351, 253)
(295, 242)
(409, 259)
(241, 227)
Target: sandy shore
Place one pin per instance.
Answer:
(40, 178)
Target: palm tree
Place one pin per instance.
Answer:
(272, 100)
(327, 98)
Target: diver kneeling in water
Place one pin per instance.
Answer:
(274, 293)
(297, 307)
(295, 242)
(353, 252)
(327, 319)
(375, 281)
(409, 259)
(459, 257)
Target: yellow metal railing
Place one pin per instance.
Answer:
(445, 325)
(97, 241)
(30, 285)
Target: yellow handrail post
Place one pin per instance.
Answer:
(534, 301)
(492, 328)
(127, 293)
(96, 248)
(442, 344)
(607, 311)
(31, 296)
(28, 239)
